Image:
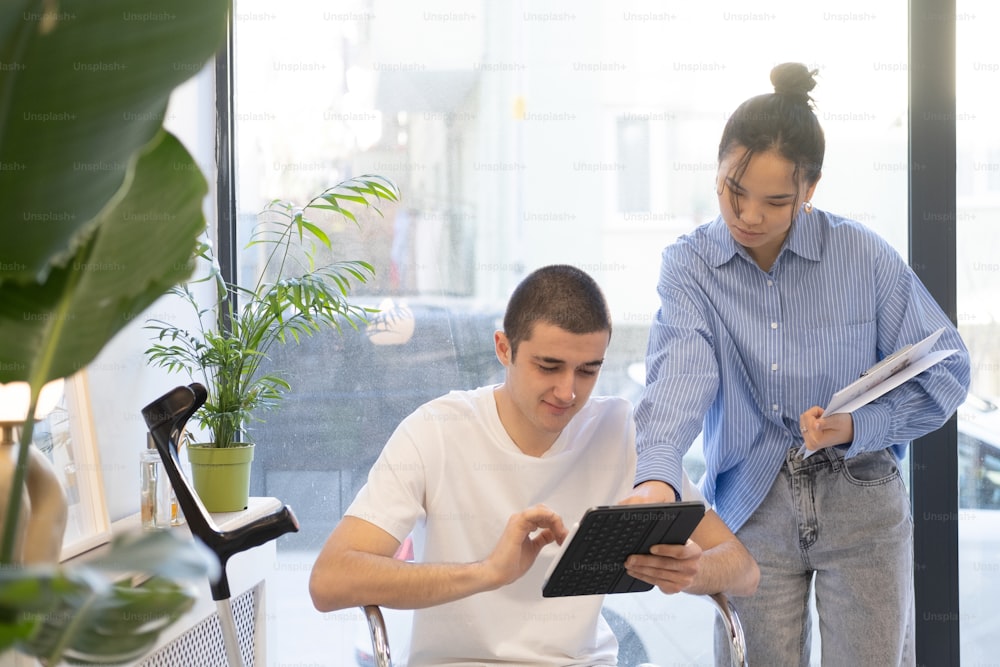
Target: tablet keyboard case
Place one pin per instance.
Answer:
(593, 562)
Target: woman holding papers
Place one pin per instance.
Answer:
(766, 313)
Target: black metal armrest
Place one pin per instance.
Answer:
(380, 638)
(737, 643)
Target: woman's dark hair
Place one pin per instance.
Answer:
(559, 294)
(782, 121)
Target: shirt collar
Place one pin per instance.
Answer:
(806, 236)
(804, 239)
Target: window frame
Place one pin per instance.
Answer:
(933, 246)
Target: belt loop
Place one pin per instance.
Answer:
(835, 461)
(791, 457)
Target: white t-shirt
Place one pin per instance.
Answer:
(451, 476)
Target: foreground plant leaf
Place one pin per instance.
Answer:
(90, 612)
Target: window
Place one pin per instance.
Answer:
(633, 151)
(520, 135)
(978, 279)
(979, 473)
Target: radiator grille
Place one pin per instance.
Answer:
(203, 645)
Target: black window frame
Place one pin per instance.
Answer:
(933, 246)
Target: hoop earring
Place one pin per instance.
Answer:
(807, 207)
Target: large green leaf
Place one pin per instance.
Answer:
(141, 247)
(88, 614)
(83, 87)
(100, 210)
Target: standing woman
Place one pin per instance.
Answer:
(765, 312)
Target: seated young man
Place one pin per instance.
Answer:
(487, 480)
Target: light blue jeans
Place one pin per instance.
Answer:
(844, 528)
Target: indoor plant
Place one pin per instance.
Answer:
(83, 93)
(296, 293)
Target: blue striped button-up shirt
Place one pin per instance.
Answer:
(739, 353)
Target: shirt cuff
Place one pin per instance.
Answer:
(871, 429)
(661, 471)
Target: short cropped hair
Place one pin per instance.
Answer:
(561, 295)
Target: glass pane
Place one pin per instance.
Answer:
(520, 134)
(978, 190)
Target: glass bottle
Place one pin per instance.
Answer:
(176, 515)
(154, 489)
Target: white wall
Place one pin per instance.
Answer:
(120, 382)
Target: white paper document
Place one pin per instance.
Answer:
(885, 376)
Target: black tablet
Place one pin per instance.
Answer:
(592, 558)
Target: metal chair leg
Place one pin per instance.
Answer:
(380, 638)
(725, 609)
(734, 628)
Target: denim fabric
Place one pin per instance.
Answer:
(843, 528)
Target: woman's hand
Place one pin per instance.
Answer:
(821, 432)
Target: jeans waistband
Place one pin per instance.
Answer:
(829, 457)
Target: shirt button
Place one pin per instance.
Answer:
(774, 407)
(774, 367)
(770, 283)
(774, 325)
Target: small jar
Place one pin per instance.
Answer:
(154, 489)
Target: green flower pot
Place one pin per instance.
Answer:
(221, 476)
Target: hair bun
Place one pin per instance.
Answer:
(794, 80)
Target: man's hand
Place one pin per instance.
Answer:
(821, 432)
(670, 567)
(524, 537)
(356, 565)
(650, 492)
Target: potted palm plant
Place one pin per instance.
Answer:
(297, 292)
